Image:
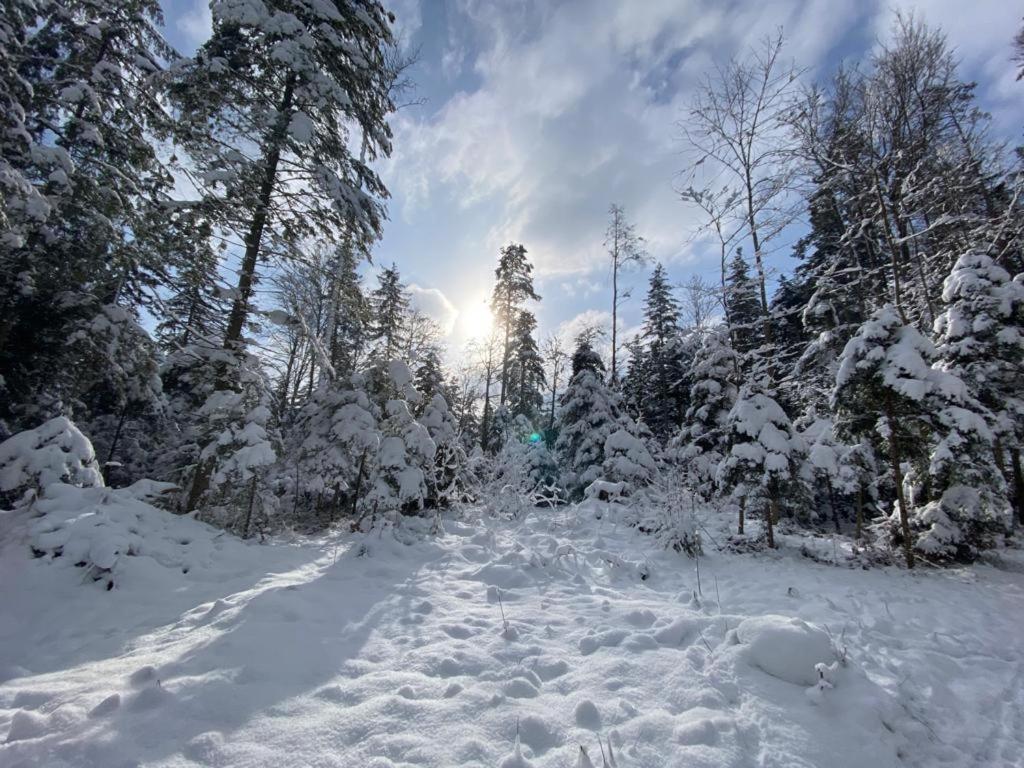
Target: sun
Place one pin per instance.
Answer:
(476, 319)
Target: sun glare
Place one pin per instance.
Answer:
(476, 319)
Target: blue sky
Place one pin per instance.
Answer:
(537, 115)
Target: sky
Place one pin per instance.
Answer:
(532, 117)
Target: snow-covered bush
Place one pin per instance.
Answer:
(54, 452)
(406, 455)
(627, 461)
(446, 482)
(110, 532)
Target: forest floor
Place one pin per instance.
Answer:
(563, 627)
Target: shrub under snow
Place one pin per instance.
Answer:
(55, 452)
(111, 532)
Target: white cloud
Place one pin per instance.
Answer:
(434, 304)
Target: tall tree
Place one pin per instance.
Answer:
(624, 247)
(513, 287)
(738, 125)
(275, 99)
(662, 402)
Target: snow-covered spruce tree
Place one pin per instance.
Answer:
(764, 459)
(888, 393)
(822, 465)
(406, 454)
(333, 445)
(704, 438)
(277, 98)
(589, 414)
(859, 478)
(980, 338)
(54, 452)
(746, 318)
(240, 443)
(83, 189)
(116, 376)
(429, 377)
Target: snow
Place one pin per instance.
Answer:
(494, 642)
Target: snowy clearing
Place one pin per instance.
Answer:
(391, 650)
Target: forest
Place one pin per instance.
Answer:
(257, 509)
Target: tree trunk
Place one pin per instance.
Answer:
(1018, 484)
(743, 505)
(615, 307)
(247, 273)
(254, 237)
(773, 515)
(247, 527)
(758, 261)
(832, 502)
(897, 474)
(860, 510)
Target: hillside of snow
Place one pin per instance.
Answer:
(490, 642)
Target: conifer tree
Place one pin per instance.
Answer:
(527, 374)
(980, 338)
(390, 307)
(744, 309)
(513, 287)
(764, 459)
(661, 402)
(704, 439)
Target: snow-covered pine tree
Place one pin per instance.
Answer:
(884, 375)
(526, 378)
(84, 189)
(764, 459)
(627, 462)
(333, 444)
(406, 452)
(980, 338)
(704, 438)
(446, 481)
(888, 392)
(429, 378)
(589, 414)
(859, 479)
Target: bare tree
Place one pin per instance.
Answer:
(555, 355)
(625, 247)
(699, 300)
(738, 130)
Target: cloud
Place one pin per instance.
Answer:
(196, 23)
(434, 304)
(577, 108)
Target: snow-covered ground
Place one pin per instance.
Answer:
(376, 650)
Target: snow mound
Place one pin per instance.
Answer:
(785, 648)
(113, 533)
(55, 452)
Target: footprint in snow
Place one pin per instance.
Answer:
(457, 631)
